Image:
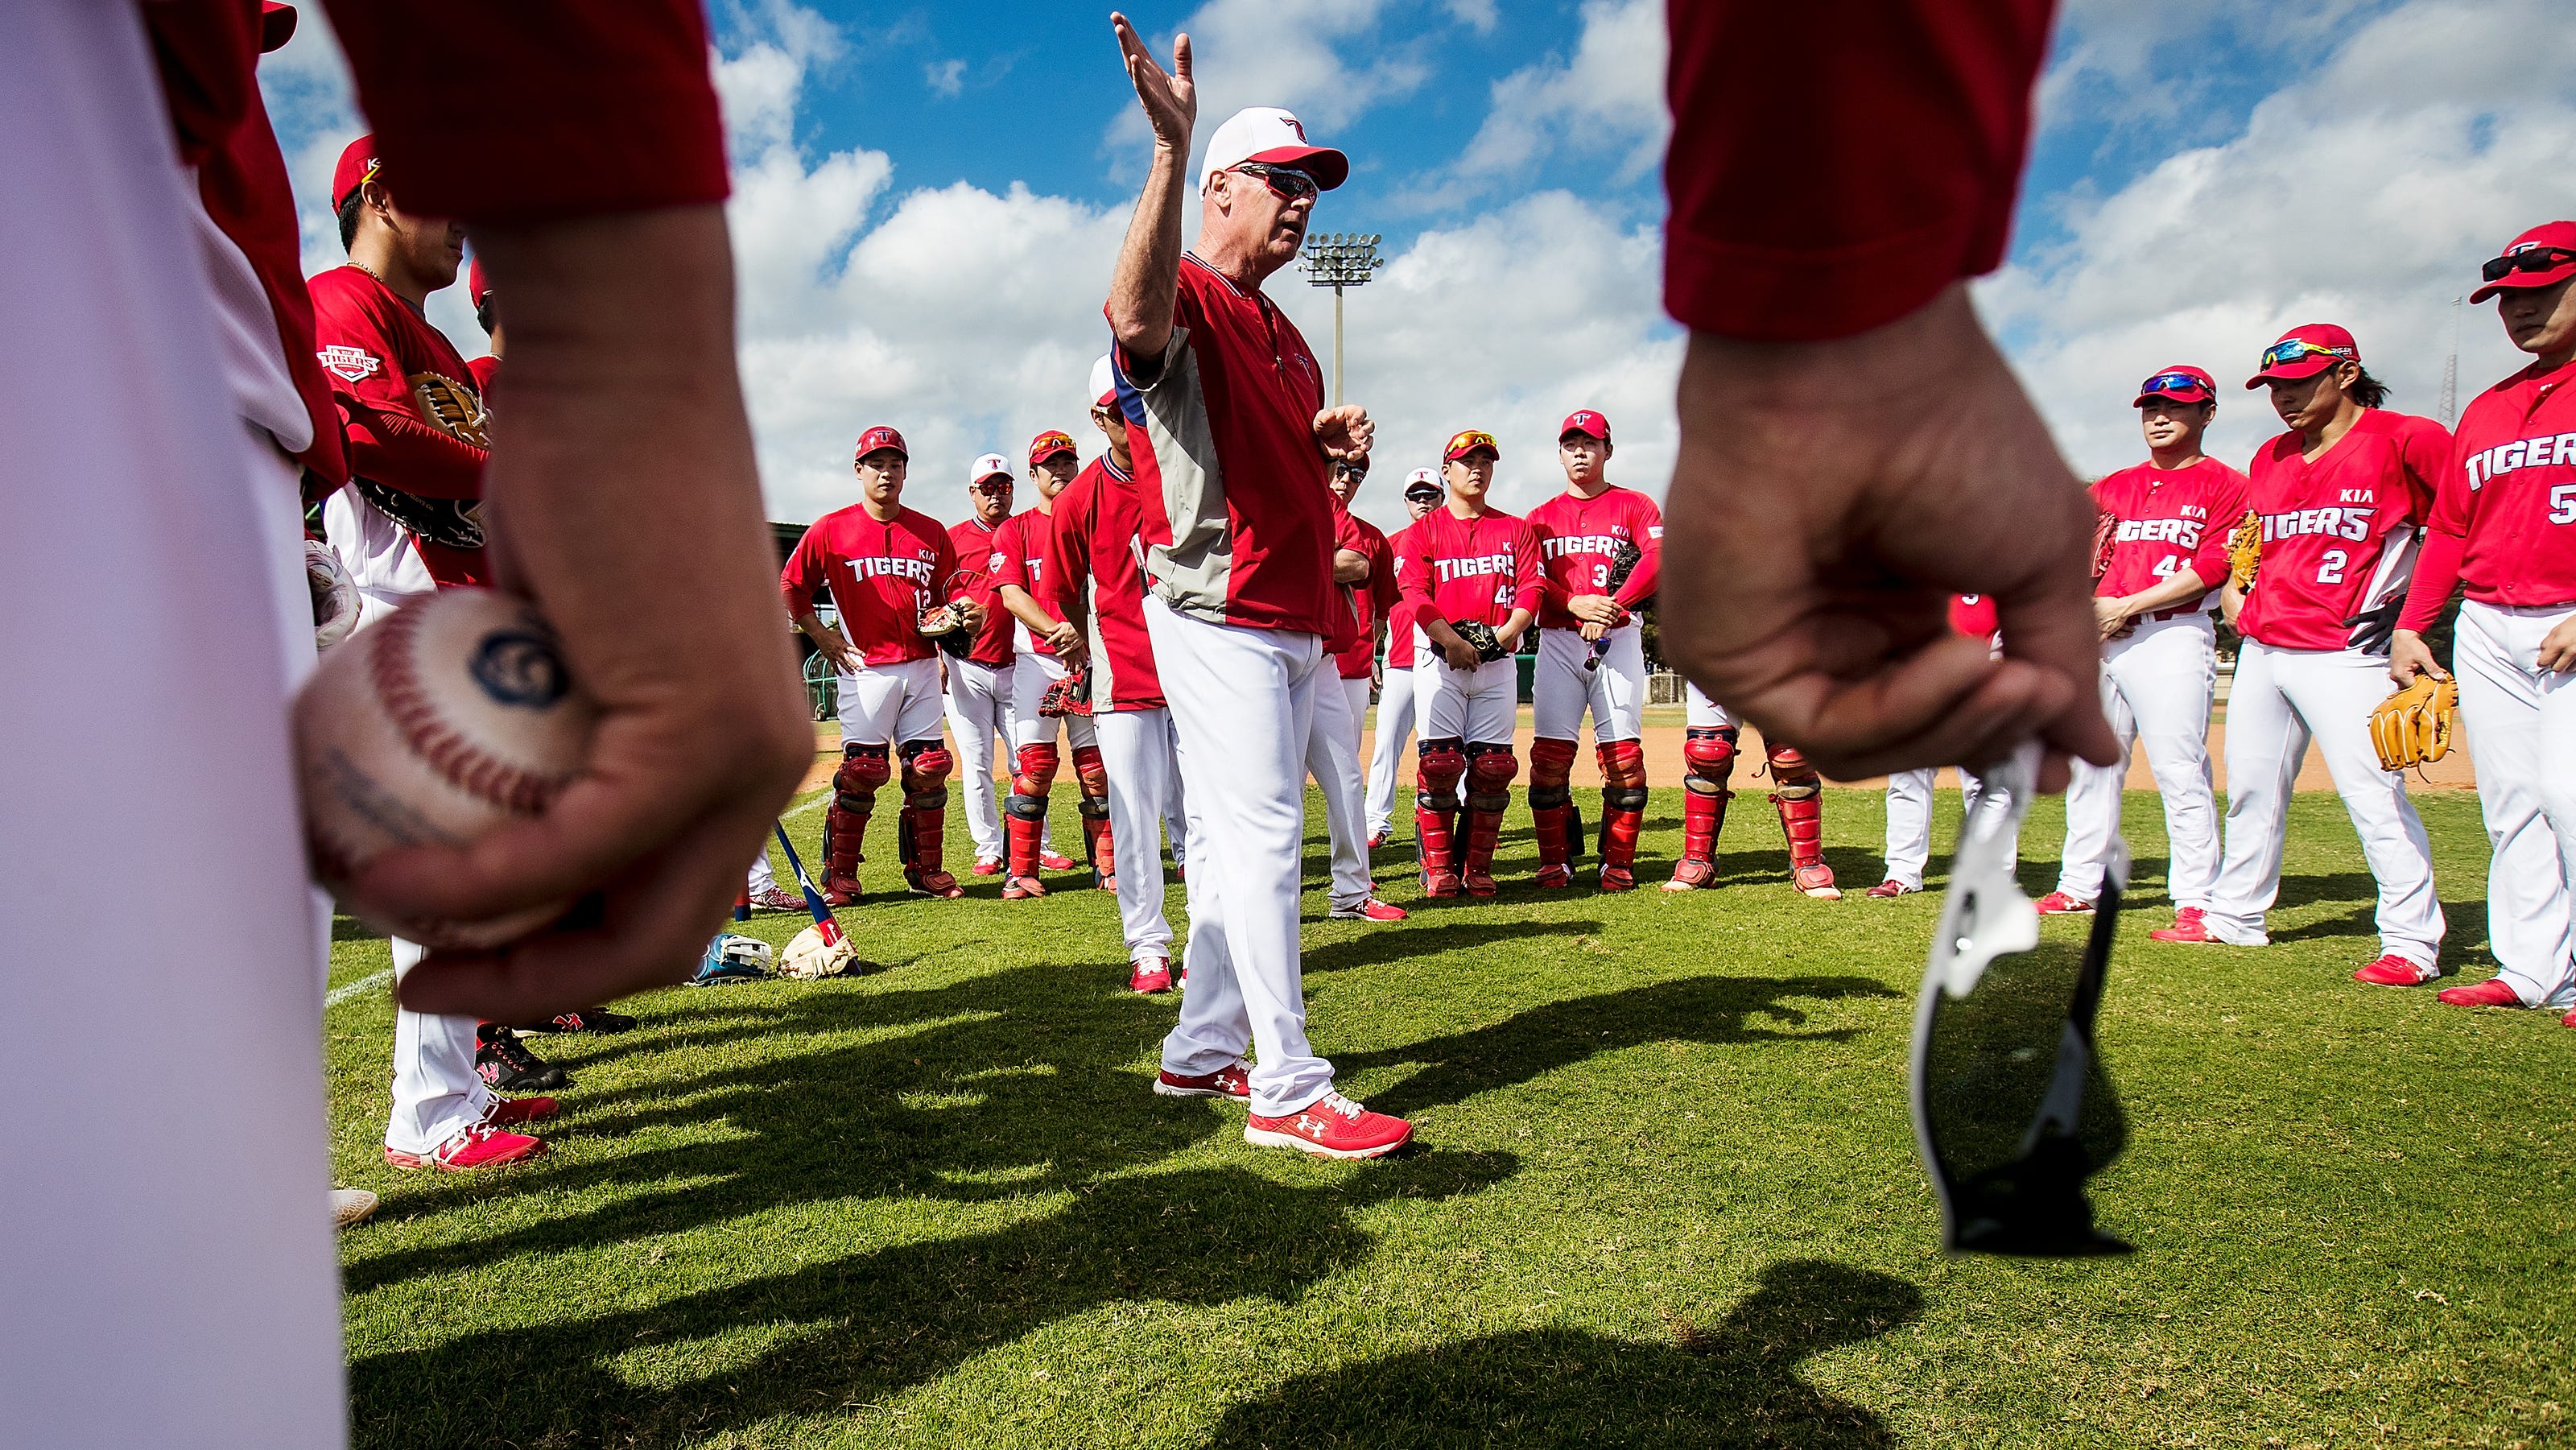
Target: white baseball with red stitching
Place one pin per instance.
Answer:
(451, 717)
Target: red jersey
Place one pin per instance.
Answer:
(1474, 570)
(414, 418)
(1576, 537)
(484, 369)
(1095, 569)
(2339, 533)
(1403, 544)
(1898, 179)
(1019, 556)
(1354, 645)
(1238, 520)
(2504, 514)
(2170, 519)
(882, 575)
(974, 545)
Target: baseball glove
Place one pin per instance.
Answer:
(809, 957)
(732, 958)
(2244, 551)
(944, 627)
(335, 595)
(2106, 533)
(1069, 695)
(2416, 724)
(1489, 648)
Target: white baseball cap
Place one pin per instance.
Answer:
(1422, 478)
(1104, 381)
(986, 466)
(1267, 133)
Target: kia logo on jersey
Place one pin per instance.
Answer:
(352, 363)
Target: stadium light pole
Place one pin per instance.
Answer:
(1338, 260)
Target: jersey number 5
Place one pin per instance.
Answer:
(2562, 504)
(2330, 570)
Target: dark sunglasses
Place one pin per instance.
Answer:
(2529, 259)
(992, 487)
(2012, 1108)
(2173, 383)
(2296, 349)
(1287, 181)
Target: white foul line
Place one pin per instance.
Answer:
(347, 990)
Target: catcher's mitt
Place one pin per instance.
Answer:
(2245, 550)
(2416, 724)
(943, 626)
(1488, 646)
(809, 957)
(2106, 533)
(335, 595)
(451, 405)
(1070, 694)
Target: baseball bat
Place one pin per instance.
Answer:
(824, 923)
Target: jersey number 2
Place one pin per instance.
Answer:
(2330, 570)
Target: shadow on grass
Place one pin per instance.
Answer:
(848, 1333)
(1531, 1044)
(1733, 1383)
(1427, 934)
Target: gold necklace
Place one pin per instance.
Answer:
(370, 271)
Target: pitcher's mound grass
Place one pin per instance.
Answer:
(1665, 1194)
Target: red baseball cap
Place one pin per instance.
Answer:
(2542, 257)
(358, 166)
(276, 25)
(476, 289)
(1468, 442)
(879, 437)
(2304, 352)
(1050, 443)
(1585, 422)
(2181, 382)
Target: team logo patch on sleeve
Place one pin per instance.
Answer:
(353, 363)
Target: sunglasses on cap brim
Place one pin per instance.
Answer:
(2299, 349)
(2531, 259)
(2178, 387)
(1287, 181)
(2012, 1108)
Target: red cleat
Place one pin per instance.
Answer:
(509, 1112)
(1021, 887)
(1555, 874)
(2393, 970)
(1692, 875)
(2490, 993)
(1051, 861)
(1383, 835)
(938, 884)
(1234, 1080)
(1370, 910)
(1478, 883)
(478, 1146)
(1151, 975)
(2191, 926)
(2058, 903)
(838, 895)
(1891, 888)
(1618, 878)
(1816, 879)
(1331, 1126)
(989, 866)
(777, 898)
(2568, 1021)
(1440, 885)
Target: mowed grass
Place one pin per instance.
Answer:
(1665, 1191)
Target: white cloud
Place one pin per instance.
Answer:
(946, 77)
(1263, 53)
(2365, 192)
(1607, 97)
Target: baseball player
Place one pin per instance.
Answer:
(1092, 577)
(2504, 524)
(886, 565)
(2161, 549)
(414, 419)
(2339, 496)
(1404, 644)
(1602, 545)
(1909, 792)
(1049, 650)
(1364, 580)
(1478, 567)
(1230, 440)
(979, 684)
(1710, 732)
(487, 315)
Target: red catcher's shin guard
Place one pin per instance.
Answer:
(1623, 803)
(864, 770)
(1800, 799)
(924, 832)
(1439, 765)
(1552, 812)
(1708, 761)
(1490, 769)
(1098, 849)
(1031, 779)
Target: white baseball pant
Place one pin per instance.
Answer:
(2280, 700)
(437, 1092)
(979, 708)
(138, 1247)
(1333, 758)
(1136, 749)
(1909, 819)
(1028, 727)
(892, 704)
(1481, 705)
(2156, 687)
(1699, 712)
(2521, 724)
(1242, 703)
(1395, 712)
(1563, 690)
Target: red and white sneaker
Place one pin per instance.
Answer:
(1020, 888)
(2191, 927)
(1889, 888)
(2393, 970)
(477, 1146)
(1553, 875)
(1150, 975)
(777, 898)
(2058, 903)
(1234, 1080)
(1381, 836)
(1052, 861)
(510, 1112)
(937, 885)
(2490, 993)
(1692, 874)
(1370, 909)
(1331, 1126)
(1816, 879)
(988, 866)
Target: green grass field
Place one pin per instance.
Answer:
(1665, 1192)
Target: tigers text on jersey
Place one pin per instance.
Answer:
(414, 415)
(1576, 538)
(882, 575)
(2504, 515)
(2170, 518)
(1095, 565)
(1019, 556)
(2338, 533)
(974, 545)
(1360, 606)
(1474, 570)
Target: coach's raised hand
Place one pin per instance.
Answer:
(1829, 497)
(622, 498)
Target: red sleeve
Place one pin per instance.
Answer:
(1530, 570)
(1647, 526)
(806, 573)
(2437, 573)
(2427, 454)
(1832, 167)
(400, 451)
(2226, 506)
(1010, 558)
(952, 575)
(1068, 553)
(504, 111)
(1413, 583)
(1383, 590)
